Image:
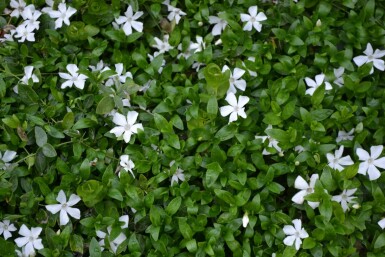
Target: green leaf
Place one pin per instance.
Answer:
(84, 123)
(318, 95)
(27, 94)
(212, 106)
(94, 248)
(40, 136)
(49, 150)
(380, 241)
(225, 196)
(85, 169)
(350, 171)
(155, 215)
(217, 83)
(162, 124)
(105, 105)
(212, 173)
(12, 121)
(289, 252)
(91, 192)
(227, 132)
(76, 243)
(173, 206)
(7, 249)
(68, 120)
(308, 243)
(115, 194)
(185, 228)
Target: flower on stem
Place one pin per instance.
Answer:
(294, 234)
(343, 135)
(129, 21)
(73, 77)
(220, 25)
(235, 79)
(371, 56)
(65, 207)
(305, 189)
(345, 198)
(336, 161)
(6, 228)
(253, 19)
(338, 74)
(62, 15)
(126, 125)
(30, 239)
(371, 162)
(235, 107)
(319, 79)
(127, 164)
(174, 13)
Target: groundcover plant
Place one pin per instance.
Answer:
(192, 128)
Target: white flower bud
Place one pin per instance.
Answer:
(245, 220)
(318, 23)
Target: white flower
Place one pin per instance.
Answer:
(371, 56)
(174, 13)
(294, 234)
(65, 207)
(130, 22)
(253, 20)
(200, 45)
(125, 219)
(7, 157)
(22, 253)
(73, 77)
(30, 16)
(189, 51)
(62, 15)
(220, 25)
(100, 66)
(306, 189)
(18, 7)
(178, 175)
(371, 162)
(381, 223)
(30, 239)
(28, 74)
(126, 125)
(24, 33)
(127, 164)
(245, 220)
(114, 244)
(235, 107)
(343, 136)
(50, 4)
(161, 66)
(272, 142)
(319, 79)
(338, 75)
(336, 161)
(345, 198)
(162, 46)
(6, 228)
(119, 76)
(235, 79)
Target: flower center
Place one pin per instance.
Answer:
(31, 239)
(5, 227)
(370, 161)
(64, 205)
(344, 197)
(335, 161)
(296, 234)
(309, 190)
(232, 80)
(236, 108)
(63, 16)
(252, 19)
(370, 57)
(127, 127)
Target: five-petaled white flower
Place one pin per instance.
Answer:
(130, 22)
(343, 135)
(306, 189)
(336, 161)
(339, 79)
(7, 157)
(62, 15)
(127, 164)
(30, 239)
(272, 142)
(235, 79)
(24, 33)
(294, 234)
(235, 107)
(119, 76)
(18, 7)
(31, 16)
(65, 207)
(73, 77)
(319, 79)
(162, 46)
(371, 162)
(345, 198)
(174, 13)
(371, 56)
(220, 25)
(6, 228)
(178, 175)
(253, 19)
(126, 125)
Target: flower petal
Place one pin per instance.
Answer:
(24, 231)
(360, 60)
(231, 99)
(53, 208)
(74, 199)
(73, 212)
(289, 230)
(369, 49)
(119, 119)
(9, 156)
(300, 183)
(298, 198)
(61, 197)
(242, 101)
(226, 110)
(375, 151)
(373, 172)
(64, 219)
(362, 154)
(131, 117)
(289, 241)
